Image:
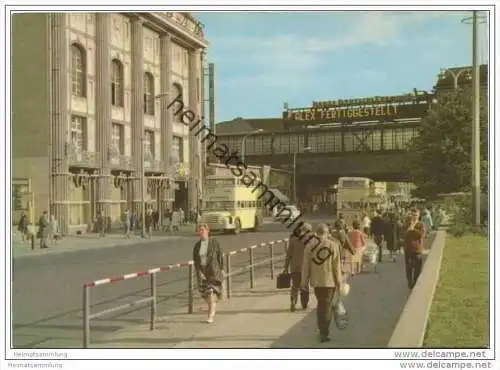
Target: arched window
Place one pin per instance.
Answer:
(116, 83)
(149, 93)
(178, 95)
(78, 71)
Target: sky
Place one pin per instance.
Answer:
(263, 59)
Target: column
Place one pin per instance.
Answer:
(203, 146)
(166, 114)
(137, 111)
(103, 109)
(194, 182)
(60, 120)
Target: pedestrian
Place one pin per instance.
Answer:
(209, 266)
(127, 223)
(101, 224)
(293, 263)
(413, 247)
(391, 235)
(358, 242)
(22, 226)
(342, 222)
(321, 269)
(427, 221)
(149, 222)
(53, 234)
(43, 226)
(378, 229)
(339, 233)
(366, 224)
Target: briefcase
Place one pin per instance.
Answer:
(283, 281)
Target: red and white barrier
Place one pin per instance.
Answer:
(169, 267)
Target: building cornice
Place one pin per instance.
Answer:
(183, 28)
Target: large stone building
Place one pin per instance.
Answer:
(90, 111)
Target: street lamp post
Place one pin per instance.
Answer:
(455, 75)
(306, 149)
(476, 129)
(243, 142)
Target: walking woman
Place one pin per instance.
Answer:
(209, 267)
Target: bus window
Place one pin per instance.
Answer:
(218, 206)
(219, 182)
(354, 184)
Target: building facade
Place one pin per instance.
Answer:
(93, 125)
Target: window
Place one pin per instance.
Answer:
(387, 139)
(149, 94)
(353, 184)
(116, 83)
(281, 144)
(177, 95)
(258, 145)
(177, 149)
(78, 133)
(78, 71)
(149, 143)
(219, 206)
(266, 145)
(117, 138)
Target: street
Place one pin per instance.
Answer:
(47, 289)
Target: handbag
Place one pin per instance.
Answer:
(283, 281)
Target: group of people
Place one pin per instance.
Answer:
(336, 254)
(46, 229)
(132, 221)
(324, 262)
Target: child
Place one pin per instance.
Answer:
(358, 242)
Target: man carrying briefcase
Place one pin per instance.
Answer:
(293, 263)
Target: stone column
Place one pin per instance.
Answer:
(60, 120)
(194, 141)
(203, 113)
(137, 111)
(103, 108)
(166, 114)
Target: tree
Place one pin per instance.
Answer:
(441, 153)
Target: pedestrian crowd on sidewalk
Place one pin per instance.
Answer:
(46, 227)
(325, 259)
(338, 252)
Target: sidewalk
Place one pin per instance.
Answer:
(88, 241)
(260, 318)
(75, 243)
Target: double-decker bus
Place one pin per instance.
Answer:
(230, 205)
(354, 197)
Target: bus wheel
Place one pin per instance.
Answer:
(257, 224)
(237, 227)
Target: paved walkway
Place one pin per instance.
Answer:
(85, 242)
(93, 241)
(259, 318)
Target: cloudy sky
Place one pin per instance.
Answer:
(263, 59)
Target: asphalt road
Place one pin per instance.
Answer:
(47, 290)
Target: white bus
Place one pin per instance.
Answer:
(230, 205)
(354, 197)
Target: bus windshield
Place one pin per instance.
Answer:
(351, 205)
(354, 184)
(219, 206)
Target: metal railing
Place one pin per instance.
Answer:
(152, 298)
